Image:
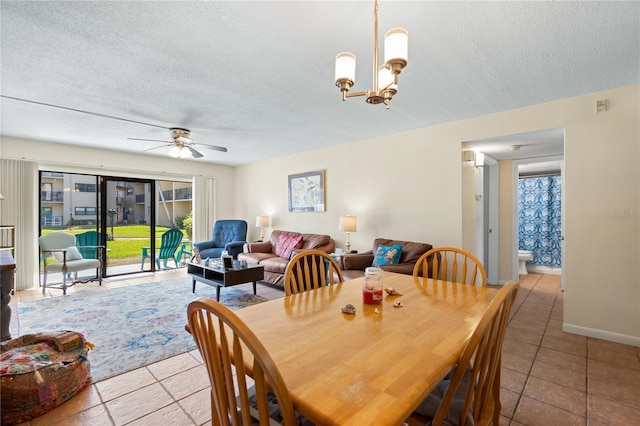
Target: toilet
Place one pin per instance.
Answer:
(523, 256)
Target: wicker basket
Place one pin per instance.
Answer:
(40, 371)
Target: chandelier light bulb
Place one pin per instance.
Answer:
(396, 45)
(385, 79)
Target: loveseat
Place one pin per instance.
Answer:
(354, 264)
(274, 254)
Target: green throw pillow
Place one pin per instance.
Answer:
(387, 255)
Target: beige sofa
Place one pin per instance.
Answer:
(264, 253)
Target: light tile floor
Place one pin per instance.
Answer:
(548, 378)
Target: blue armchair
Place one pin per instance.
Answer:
(229, 235)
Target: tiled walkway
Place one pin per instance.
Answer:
(554, 378)
(548, 378)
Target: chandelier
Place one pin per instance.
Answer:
(385, 76)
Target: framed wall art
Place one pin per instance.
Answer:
(306, 192)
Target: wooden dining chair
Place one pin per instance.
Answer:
(311, 269)
(451, 264)
(471, 395)
(224, 340)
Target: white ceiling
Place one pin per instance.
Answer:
(257, 77)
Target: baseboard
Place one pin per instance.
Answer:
(541, 269)
(601, 334)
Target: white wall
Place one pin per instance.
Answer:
(409, 186)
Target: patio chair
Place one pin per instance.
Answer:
(61, 246)
(168, 246)
(87, 244)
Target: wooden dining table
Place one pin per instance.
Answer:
(374, 367)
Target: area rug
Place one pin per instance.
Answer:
(130, 326)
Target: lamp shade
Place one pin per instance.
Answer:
(185, 153)
(262, 221)
(396, 45)
(347, 224)
(385, 79)
(346, 66)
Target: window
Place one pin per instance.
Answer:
(84, 211)
(86, 187)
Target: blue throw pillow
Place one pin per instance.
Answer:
(387, 255)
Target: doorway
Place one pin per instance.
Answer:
(540, 145)
(539, 207)
(127, 228)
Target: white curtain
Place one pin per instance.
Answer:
(204, 216)
(19, 186)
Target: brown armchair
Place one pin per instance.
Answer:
(354, 264)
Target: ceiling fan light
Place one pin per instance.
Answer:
(184, 153)
(183, 139)
(174, 152)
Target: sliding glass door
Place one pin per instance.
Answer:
(127, 224)
(126, 215)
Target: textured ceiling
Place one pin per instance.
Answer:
(257, 77)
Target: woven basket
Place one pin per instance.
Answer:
(40, 371)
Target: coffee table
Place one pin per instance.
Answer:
(216, 275)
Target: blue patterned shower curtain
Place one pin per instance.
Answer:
(539, 218)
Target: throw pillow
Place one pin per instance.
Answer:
(387, 255)
(72, 254)
(288, 243)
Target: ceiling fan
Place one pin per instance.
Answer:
(181, 145)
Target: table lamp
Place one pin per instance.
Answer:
(347, 224)
(262, 221)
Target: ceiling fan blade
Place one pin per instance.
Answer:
(215, 147)
(155, 147)
(148, 140)
(194, 153)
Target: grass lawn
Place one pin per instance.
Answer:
(128, 240)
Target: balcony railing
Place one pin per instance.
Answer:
(180, 194)
(53, 196)
(183, 194)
